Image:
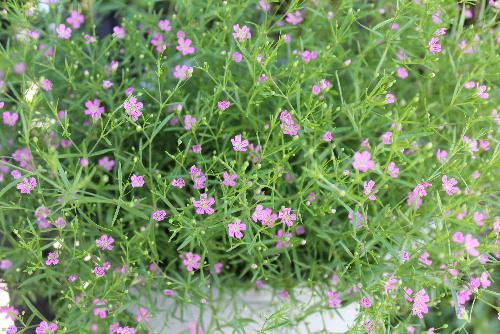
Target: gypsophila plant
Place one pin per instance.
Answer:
(169, 147)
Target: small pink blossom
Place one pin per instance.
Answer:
(10, 119)
(241, 34)
(239, 145)
(471, 244)
(52, 259)
(458, 237)
(165, 25)
(334, 299)
(387, 138)
(204, 205)
(106, 163)
(294, 18)
(287, 216)
(179, 183)
(234, 229)
(46, 85)
(237, 57)
(424, 259)
(63, 32)
(27, 186)
(159, 215)
(449, 185)
(94, 109)
(442, 156)
(184, 46)
(46, 328)
(363, 162)
(119, 32)
(76, 19)
(393, 170)
(229, 179)
(402, 73)
(328, 136)
(105, 242)
(196, 148)
(308, 56)
(223, 105)
(191, 261)
(369, 187)
(137, 181)
(183, 72)
(133, 108)
(365, 302)
(390, 98)
(434, 45)
(420, 304)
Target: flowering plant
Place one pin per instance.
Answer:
(348, 146)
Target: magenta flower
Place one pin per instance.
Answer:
(471, 244)
(287, 216)
(75, 19)
(94, 109)
(363, 162)
(184, 46)
(434, 45)
(10, 119)
(288, 124)
(133, 108)
(197, 148)
(390, 98)
(442, 156)
(52, 259)
(365, 302)
(223, 105)
(165, 25)
(169, 292)
(60, 222)
(294, 18)
(159, 215)
(234, 229)
(106, 163)
(179, 183)
(239, 145)
(119, 32)
(191, 261)
(229, 179)
(63, 32)
(308, 56)
(237, 57)
(241, 34)
(420, 304)
(105, 242)
(393, 170)
(449, 185)
(387, 138)
(369, 186)
(46, 328)
(27, 186)
(204, 205)
(46, 85)
(183, 72)
(328, 136)
(334, 299)
(137, 181)
(424, 259)
(402, 73)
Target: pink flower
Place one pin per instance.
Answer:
(75, 19)
(27, 186)
(179, 183)
(137, 181)
(229, 179)
(308, 56)
(191, 261)
(237, 57)
(183, 72)
(369, 186)
(105, 242)
(143, 314)
(60, 222)
(63, 32)
(391, 285)
(46, 328)
(223, 105)
(169, 292)
(458, 237)
(287, 216)
(449, 185)
(204, 205)
(424, 259)
(387, 138)
(283, 239)
(158, 41)
(46, 85)
(442, 156)
(184, 46)
(234, 229)
(106, 163)
(470, 84)
(106, 84)
(119, 32)
(239, 145)
(241, 34)
(165, 25)
(434, 45)
(133, 108)
(94, 109)
(482, 92)
(197, 148)
(198, 177)
(294, 18)
(390, 98)
(471, 244)
(365, 302)
(10, 119)
(288, 124)
(52, 259)
(393, 170)
(420, 304)
(328, 136)
(363, 162)
(402, 73)
(159, 215)
(484, 279)
(334, 299)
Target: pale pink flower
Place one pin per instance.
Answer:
(191, 261)
(471, 244)
(137, 181)
(229, 179)
(239, 145)
(10, 119)
(287, 216)
(94, 109)
(334, 299)
(393, 170)
(234, 229)
(63, 32)
(449, 185)
(76, 19)
(183, 72)
(105, 242)
(363, 162)
(204, 205)
(159, 215)
(27, 186)
(165, 25)
(241, 34)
